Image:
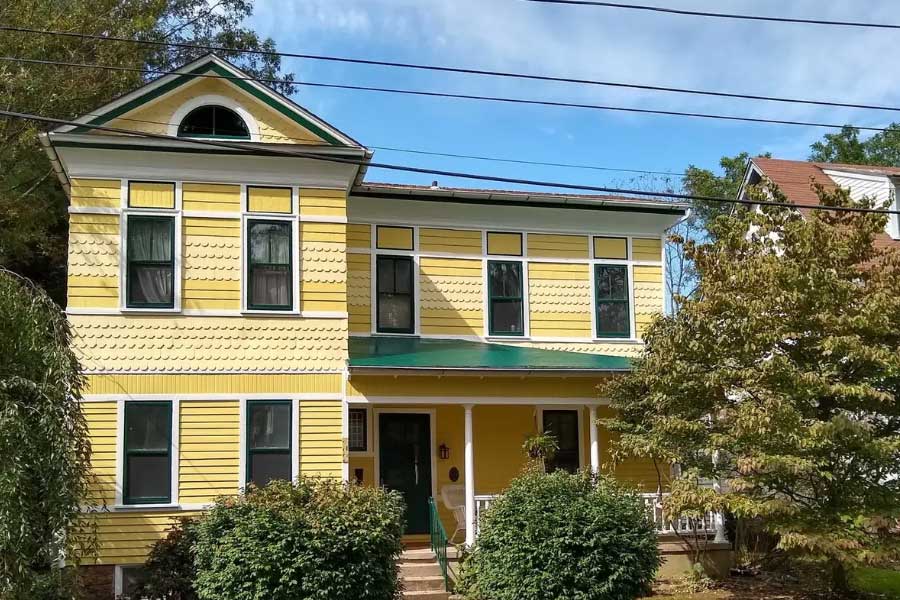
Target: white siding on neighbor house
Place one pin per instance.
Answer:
(879, 187)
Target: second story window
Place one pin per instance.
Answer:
(613, 311)
(394, 276)
(150, 275)
(269, 265)
(268, 441)
(148, 452)
(215, 122)
(505, 296)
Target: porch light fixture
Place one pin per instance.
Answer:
(444, 451)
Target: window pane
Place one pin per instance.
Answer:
(403, 277)
(358, 441)
(506, 316)
(505, 279)
(270, 425)
(151, 284)
(148, 477)
(132, 579)
(385, 274)
(612, 282)
(148, 426)
(270, 243)
(270, 286)
(230, 123)
(266, 466)
(394, 312)
(149, 239)
(613, 318)
(198, 122)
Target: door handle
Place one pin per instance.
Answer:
(416, 466)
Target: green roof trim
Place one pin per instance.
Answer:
(218, 70)
(409, 352)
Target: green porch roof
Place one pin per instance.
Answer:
(409, 352)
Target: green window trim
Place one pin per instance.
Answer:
(600, 300)
(281, 450)
(131, 263)
(492, 299)
(395, 258)
(127, 498)
(251, 265)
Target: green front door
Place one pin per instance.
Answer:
(404, 451)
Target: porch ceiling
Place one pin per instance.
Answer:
(414, 353)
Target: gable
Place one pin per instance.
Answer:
(159, 106)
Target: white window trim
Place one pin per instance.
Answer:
(243, 424)
(210, 100)
(295, 258)
(174, 454)
(375, 252)
(526, 294)
(124, 212)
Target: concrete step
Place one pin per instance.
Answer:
(418, 555)
(426, 595)
(419, 569)
(428, 583)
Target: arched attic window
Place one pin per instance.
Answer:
(213, 121)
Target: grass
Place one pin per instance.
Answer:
(884, 582)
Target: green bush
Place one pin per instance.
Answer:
(562, 537)
(169, 569)
(313, 539)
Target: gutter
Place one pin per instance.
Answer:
(449, 371)
(55, 163)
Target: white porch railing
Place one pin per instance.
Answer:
(713, 523)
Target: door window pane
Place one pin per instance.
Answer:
(270, 265)
(148, 452)
(269, 448)
(150, 262)
(613, 310)
(394, 283)
(506, 306)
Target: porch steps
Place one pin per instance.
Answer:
(421, 576)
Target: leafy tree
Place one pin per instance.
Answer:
(45, 469)
(883, 148)
(169, 569)
(703, 182)
(33, 220)
(781, 376)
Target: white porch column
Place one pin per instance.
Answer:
(470, 478)
(595, 439)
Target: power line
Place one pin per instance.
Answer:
(455, 96)
(459, 70)
(462, 175)
(716, 15)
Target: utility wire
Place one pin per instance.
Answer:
(716, 15)
(448, 69)
(462, 175)
(432, 94)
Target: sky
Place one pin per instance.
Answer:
(789, 60)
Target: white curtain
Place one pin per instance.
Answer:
(270, 259)
(150, 242)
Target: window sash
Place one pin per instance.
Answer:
(607, 332)
(409, 296)
(288, 267)
(362, 445)
(128, 498)
(495, 299)
(272, 450)
(133, 264)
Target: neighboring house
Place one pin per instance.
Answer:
(795, 179)
(244, 315)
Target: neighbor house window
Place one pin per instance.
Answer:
(269, 265)
(394, 276)
(613, 312)
(150, 275)
(268, 441)
(358, 430)
(505, 297)
(148, 452)
(213, 121)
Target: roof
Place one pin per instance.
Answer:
(534, 198)
(415, 353)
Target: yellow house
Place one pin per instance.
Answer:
(247, 307)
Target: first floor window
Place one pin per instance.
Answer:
(358, 430)
(394, 283)
(268, 441)
(148, 452)
(133, 578)
(505, 291)
(269, 265)
(150, 262)
(563, 425)
(613, 314)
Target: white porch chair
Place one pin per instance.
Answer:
(454, 498)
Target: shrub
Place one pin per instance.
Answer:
(169, 569)
(559, 537)
(314, 538)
